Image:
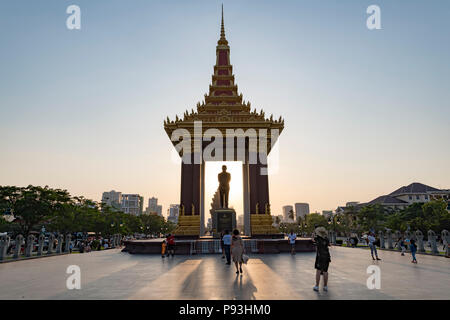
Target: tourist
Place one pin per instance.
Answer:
(292, 237)
(372, 245)
(80, 247)
(226, 240)
(237, 250)
(323, 258)
(401, 245)
(352, 242)
(221, 244)
(170, 245)
(163, 249)
(413, 249)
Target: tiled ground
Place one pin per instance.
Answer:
(112, 274)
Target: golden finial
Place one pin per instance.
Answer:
(222, 39)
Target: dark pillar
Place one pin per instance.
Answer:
(186, 188)
(263, 188)
(196, 194)
(190, 187)
(253, 185)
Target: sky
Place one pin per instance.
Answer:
(366, 111)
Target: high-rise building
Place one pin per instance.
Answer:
(174, 212)
(153, 207)
(286, 213)
(301, 210)
(112, 199)
(132, 204)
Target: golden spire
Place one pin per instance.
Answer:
(222, 39)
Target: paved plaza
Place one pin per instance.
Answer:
(112, 274)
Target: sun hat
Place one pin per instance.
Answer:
(321, 232)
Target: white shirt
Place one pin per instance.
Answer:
(292, 237)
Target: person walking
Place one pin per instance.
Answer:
(323, 257)
(291, 238)
(373, 247)
(163, 248)
(222, 233)
(237, 250)
(226, 240)
(170, 245)
(413, 248)
(401, 245)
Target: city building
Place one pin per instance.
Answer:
(286, 213)
(403, 197)
(173, 213)
(132, 204)
(153, 207)
(112, 199)
(301, 210)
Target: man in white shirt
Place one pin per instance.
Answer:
(372, 246)
(292, 237)
(227, 246)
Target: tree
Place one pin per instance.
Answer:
(435, 217)
(291, 214)
(32, 205)
(372, 217)
(314, 220)
(277, 220)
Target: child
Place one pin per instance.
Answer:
(163, 249)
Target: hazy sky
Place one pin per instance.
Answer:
(366, 111)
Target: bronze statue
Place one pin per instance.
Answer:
(224, 186)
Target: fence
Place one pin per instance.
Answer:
(19, 249)
(389, 239)
(214, 246)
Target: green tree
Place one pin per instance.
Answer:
(291, 214)
(372, 217)
(314, 220)
(33, 205)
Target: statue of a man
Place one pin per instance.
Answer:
(224, 186)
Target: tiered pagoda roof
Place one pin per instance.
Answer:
(223, 107)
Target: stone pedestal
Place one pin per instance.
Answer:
(67, 246)
(41, 242)
(60, 243)
(223, 219)
(51, 244)
(29, 247)
(261, 226)
(18, 246)
(188, 227)
(4, 244)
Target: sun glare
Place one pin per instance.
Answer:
(212, 169)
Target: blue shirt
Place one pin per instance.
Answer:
(227, 239)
